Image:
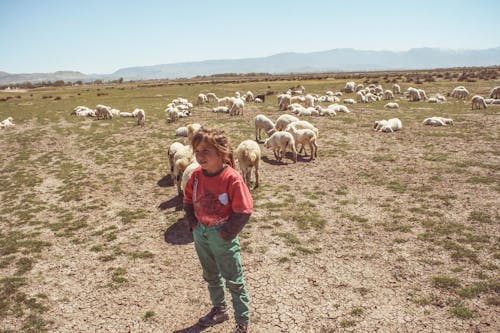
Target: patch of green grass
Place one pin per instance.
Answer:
(34, 324)
(288, 237)
(347, 323)
(435, 157)
(118, 277)
(445, 282)
(473, 291)
(480, 216)
(24, 265)
(355, 218)
(482, 180)
(357, 311)
(129, 216)
(148, 315)
(283, 260)
(140, 254)
(384, 158)
(462, 312)
(396, 187)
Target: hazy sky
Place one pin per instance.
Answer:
(101, 36)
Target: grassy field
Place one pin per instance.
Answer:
(382, 232)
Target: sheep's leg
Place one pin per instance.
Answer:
(256, 176)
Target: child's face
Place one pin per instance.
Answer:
(208, 157)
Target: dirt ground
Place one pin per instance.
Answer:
(369, 269)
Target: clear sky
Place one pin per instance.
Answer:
(102, 36)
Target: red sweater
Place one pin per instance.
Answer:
(216, 197)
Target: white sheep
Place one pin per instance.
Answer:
(171, 151)
(303, 124)
(221, 109)
(339, 108)
(140, 115)
(248, 154)
(192, 129)
(284, 120)
(391, 105)
(423, 95)
(237, 106)
(438, 121)
(349, 101)
(126, 114)
(478, 102)
(460, 92)
(263, 123)
(495, 93)
(248, 97)
(303, 137)
(202, 99)
(325, 111)
(257, 100)
(393, 125)
(413, 94)
(103, 112)
(187, 173)
(8, 122)
(349, 87)
(396, 89)
(440, 97)
(360, 96)
(379, 124)
(279, 142)
(432, 100)
(388, 94)
(181, 131)
(283, 101)
(212, 97)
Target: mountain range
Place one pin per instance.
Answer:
(336, 60)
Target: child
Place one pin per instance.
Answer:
(218, 204)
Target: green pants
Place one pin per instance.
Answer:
(220, 260)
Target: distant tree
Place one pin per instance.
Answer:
(58, 83)
(98, 82)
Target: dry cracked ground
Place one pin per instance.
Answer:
(381, 233)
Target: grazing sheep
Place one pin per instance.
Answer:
(460, 92)
(262, 97)
(303, 137)
(103, 112)
(379, 124)
(126, 114)
(359, 87)
(432, 100)
(325, 112)
(495, 93)
(263, 123)
(237, 106)
(202, 99)
(140, 115)
(181, 162)
(391, 105)
(438, 121)
(423, 95)
(393, 125)
(360, 96)
(388, 95)
(212, 97)
(284, 100)
(284, 120)
(171, 151)
(478, 102)
(279, 142)
(413, 94)
(440, 97)
(339, 108)
(248, 97)
(248, 155)
(257, 100)
(349, 101)
(303, 124)
(396, 89)
(349, 87)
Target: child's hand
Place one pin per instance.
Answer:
(225, 235)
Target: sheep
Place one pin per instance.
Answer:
(173, 114)
(460, 92)
(478, 102)
(438, 121)
(115, 112)
(248, 97)
(303, 137)
(359, 87)
(284, 101)
(303, 124)
(391, 106)
(396, 89)
(237, 106)
(495, 93)
(388, 95)
(423, 95)
(181, 131)
(248, 155)
(80, 109)
(126, 114)
(413, 94)
(432, 100)
(192, 129)
(263, 123)
(187, 173)
(224, 101)
(371, 98)
(181, 162)
(171, 151)
(360, 96)
(221, 109)
(257, 100)
(8, 122)
(212, 97)
(202, 99)
(309, 100)
(379, 124)
(284, 120)
(440, 97)
(339, 108)
(325, 112)
(103, 112)
(349, 87)
(295, 108)
(279, 142)
(349, 101)
(262, 97)
(393, 124)
(140, 115)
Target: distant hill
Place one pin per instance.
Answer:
(336, 60)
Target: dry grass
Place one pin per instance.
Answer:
(382, 230)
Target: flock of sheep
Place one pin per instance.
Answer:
(106, 112)
(288, 132)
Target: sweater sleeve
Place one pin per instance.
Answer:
(234, 225)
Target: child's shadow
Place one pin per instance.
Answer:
(192, 329)
(178, 233)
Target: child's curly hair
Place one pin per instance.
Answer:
(218, 139)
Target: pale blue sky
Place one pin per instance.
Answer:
(102, 36)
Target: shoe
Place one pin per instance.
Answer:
(240, 328)
(216, 316)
